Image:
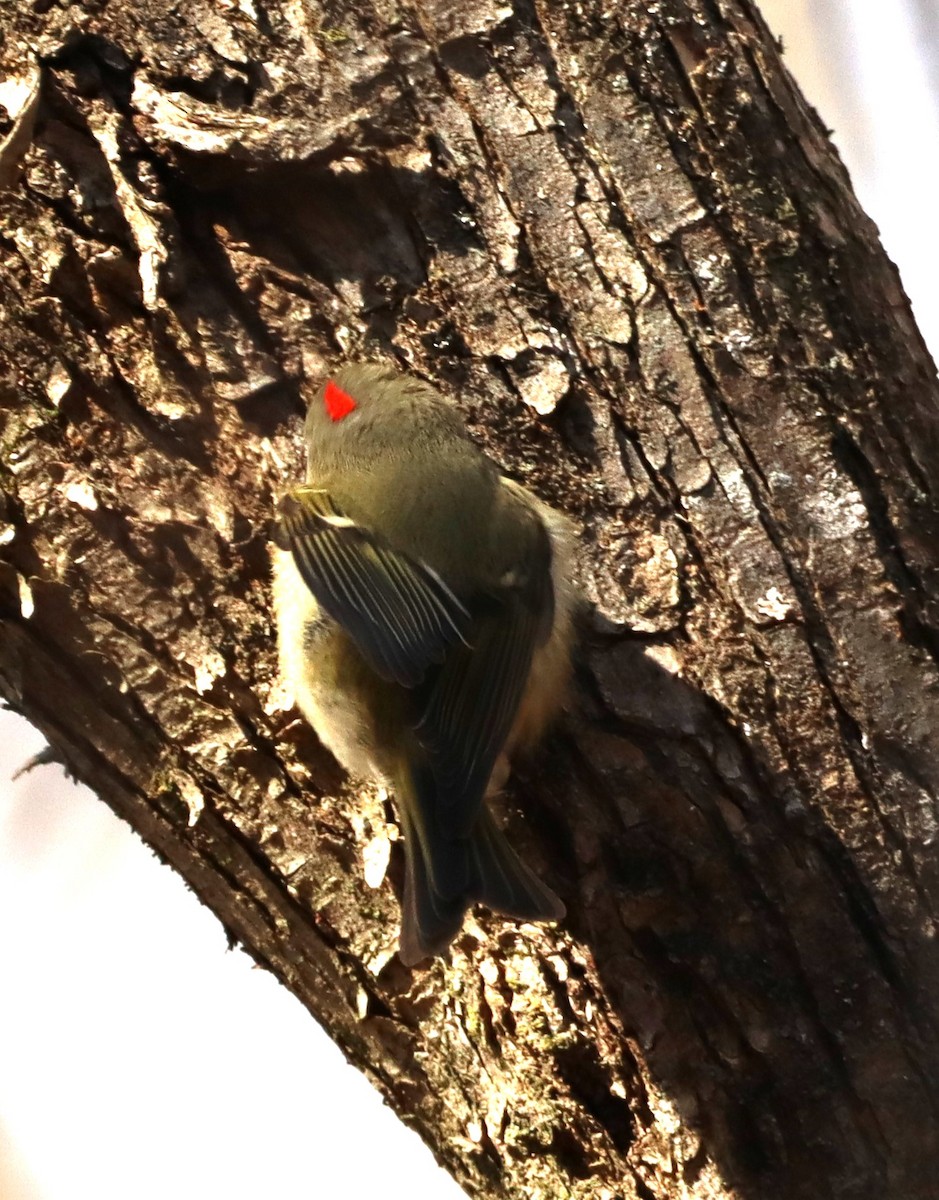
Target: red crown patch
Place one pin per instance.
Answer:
(338, 403)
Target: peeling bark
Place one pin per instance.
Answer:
(621, 238)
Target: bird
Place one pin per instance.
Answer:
(424, 610)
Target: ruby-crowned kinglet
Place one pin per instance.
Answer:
(424, 618)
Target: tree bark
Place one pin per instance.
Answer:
(618, 234)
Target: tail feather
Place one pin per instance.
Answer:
(501, 880)
(429, 920)
(446, 875)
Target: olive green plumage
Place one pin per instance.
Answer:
(424, 620)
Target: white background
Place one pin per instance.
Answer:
(138, 1056)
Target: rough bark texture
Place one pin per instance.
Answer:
(617, 233)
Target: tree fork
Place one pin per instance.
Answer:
(622, 238)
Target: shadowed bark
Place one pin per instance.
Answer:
(618, 235)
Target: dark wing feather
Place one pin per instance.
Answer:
(469, 705)
(400, 614)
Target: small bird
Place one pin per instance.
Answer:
(424, 612)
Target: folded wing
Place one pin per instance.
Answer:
(399, 612)
(470, 702)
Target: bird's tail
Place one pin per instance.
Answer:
(446, 874)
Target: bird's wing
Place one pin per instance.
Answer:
(470, 703)
(398, 612)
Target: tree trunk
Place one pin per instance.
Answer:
(620, 237)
